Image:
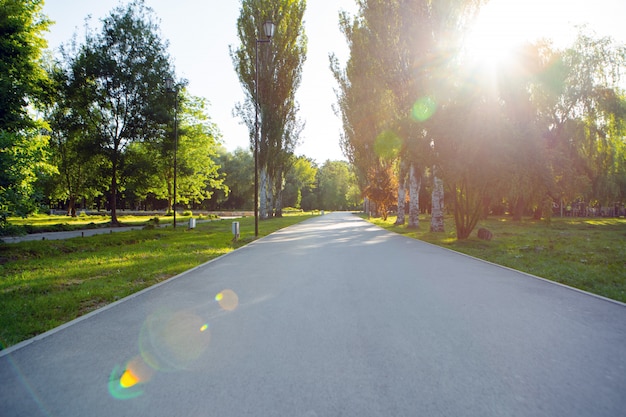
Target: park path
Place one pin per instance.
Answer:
(331, 317)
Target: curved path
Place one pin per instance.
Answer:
(331, 317)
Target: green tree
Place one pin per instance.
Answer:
(196, 154)
(79, 169)
(336, 180)
(22, 77)
(238, 171)
(581, 112)
(301, 176)
(23, 82)
(119, 73)
(280, 68)
(398, 52)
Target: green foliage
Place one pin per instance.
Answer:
(301, 176)
(336, 179)
(23, 82)
(238, 169)
(23, 157)
(117, 80)
(22, 78)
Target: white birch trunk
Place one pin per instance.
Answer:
(415, 183)
(436, 220)
(263, 193)
(270, 196)
(401, 194)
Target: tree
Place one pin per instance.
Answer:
(120, 74)
(22, 77)
(301, 176)
(23, 82)
(237, 168)
(336, 181)
(79, 169)
(581, 114)
(381, 188)
(398, 50)
(196, 152)
(280, 68)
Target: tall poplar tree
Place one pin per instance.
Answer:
(280, 72)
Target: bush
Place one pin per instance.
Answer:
(8, 229)
(187, 213)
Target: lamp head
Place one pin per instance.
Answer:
(169, 83)
(269, 27)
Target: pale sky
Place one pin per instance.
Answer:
(200, 32)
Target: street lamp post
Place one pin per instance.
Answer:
(268, 28)
(170, 86)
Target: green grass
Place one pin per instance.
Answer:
(585, 253)
(44, 284)
(58, 223)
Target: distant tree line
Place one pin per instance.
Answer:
(307, 186)
(544, 130)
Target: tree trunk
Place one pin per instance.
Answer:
(278, 199)
(71, 207)
(113, 201)
(270, 196)
(518, 209)
(415, 183)
(436, 220)
(263, 193)
(401, 194)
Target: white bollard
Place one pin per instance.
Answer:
(235, 229)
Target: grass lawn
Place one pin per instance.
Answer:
(585, 253)
(44, 284)
(41, 223)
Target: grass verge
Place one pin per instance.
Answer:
(585, 253)
(44, 284)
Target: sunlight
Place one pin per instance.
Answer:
(499, 30)
(503, 25)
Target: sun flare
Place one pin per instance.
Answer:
(497, 32)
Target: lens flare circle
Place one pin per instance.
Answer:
(173, 341)
(118, 391)
(424, 108)
(228, 300)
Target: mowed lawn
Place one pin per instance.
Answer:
(585, 253)
(44, 284)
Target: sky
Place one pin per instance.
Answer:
(200, 33)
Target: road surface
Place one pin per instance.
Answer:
(331, 317)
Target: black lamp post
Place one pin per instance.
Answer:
(172, 88)
(268, 28)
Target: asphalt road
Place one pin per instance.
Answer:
(331, 317)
